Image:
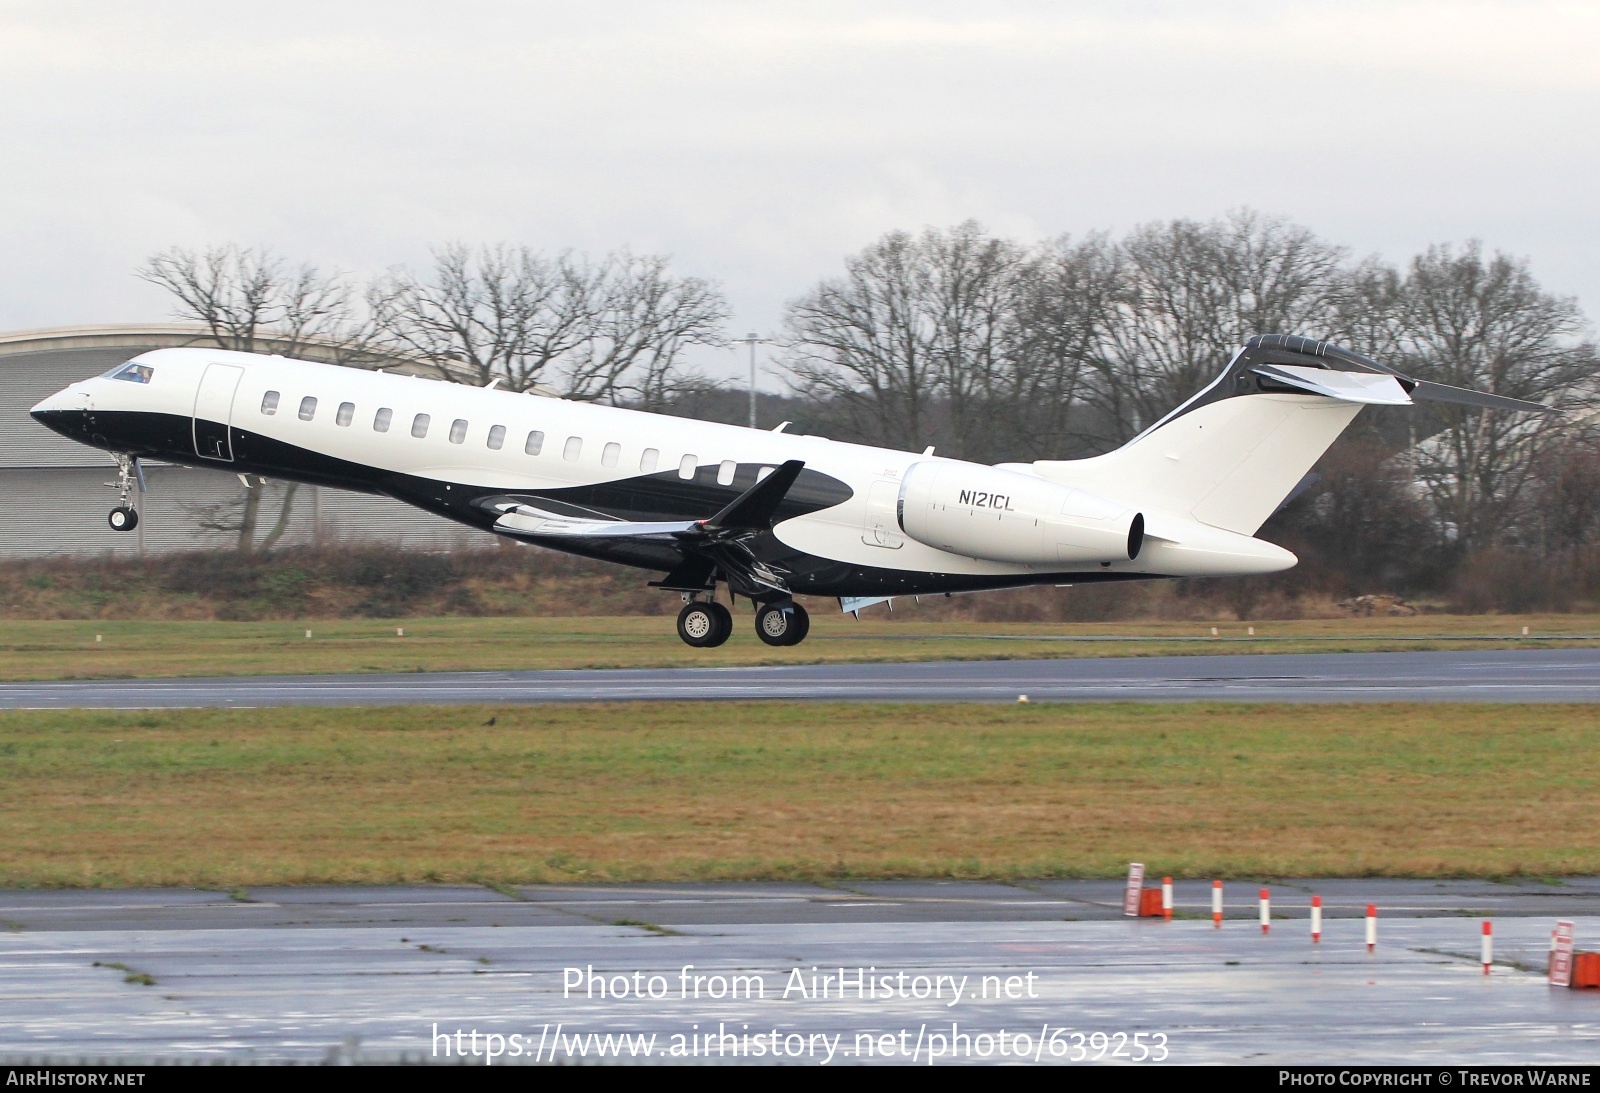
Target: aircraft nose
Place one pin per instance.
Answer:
(74, 396)
(54, 402)
(63, 411)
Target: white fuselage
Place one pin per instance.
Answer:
(470, 440)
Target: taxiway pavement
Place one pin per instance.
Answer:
(381, 973)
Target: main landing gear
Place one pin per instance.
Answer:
(782, 623)
(125, 517)
(706, 624)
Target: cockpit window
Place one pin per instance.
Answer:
(132, 372)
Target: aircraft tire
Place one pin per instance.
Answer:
(704, 625)
(801, 624)
(123, 518)
(785, 624)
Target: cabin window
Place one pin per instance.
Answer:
(573, 449)
(419, 425)
(346, 414)
(497, 437)
(648, 460)
(269, 403)
(725, 472)
(687, 465)
(535, 442)
(458, 430)
(308, 408)
(381, 420)
(763, 472)
(612, 452)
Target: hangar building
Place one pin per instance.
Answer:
(53, 493)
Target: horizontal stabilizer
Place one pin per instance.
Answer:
(1439, 392)
(1276, 354)
(1375, 389)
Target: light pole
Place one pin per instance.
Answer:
(752, 339)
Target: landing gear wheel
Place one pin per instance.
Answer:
(704, 625)
(123, 518)
(802, 625)
(782, 624)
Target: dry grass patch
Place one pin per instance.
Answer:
(688, 791)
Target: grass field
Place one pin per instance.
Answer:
(68, 649)
(689, 791)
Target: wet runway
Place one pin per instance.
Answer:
(393, 973)
(1518, 675)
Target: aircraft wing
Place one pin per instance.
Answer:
(719, 542)
(752, 511)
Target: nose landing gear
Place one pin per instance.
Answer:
(125, 517)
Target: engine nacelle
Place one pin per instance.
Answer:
(1003, 516)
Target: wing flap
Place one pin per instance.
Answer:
(523, 520)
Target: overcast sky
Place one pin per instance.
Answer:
(759, 143)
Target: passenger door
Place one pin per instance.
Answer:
(213, 411)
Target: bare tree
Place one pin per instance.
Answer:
(1560, 511)
(614, 330)
(1017, 352)
(1068, 297)
(969, 292)
(649, 318)
(499, 312)
(242, 516)
(1361, 527)
(1194, 292)
(921, 332)
(1487, 324)
(252, 301)
(860, 343)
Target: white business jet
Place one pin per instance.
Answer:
(770, 514)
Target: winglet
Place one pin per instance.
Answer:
(756, 506)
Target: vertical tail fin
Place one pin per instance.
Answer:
(1230, 455)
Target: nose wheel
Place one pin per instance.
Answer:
(704, 625)
(123, 518)
(782, 624)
